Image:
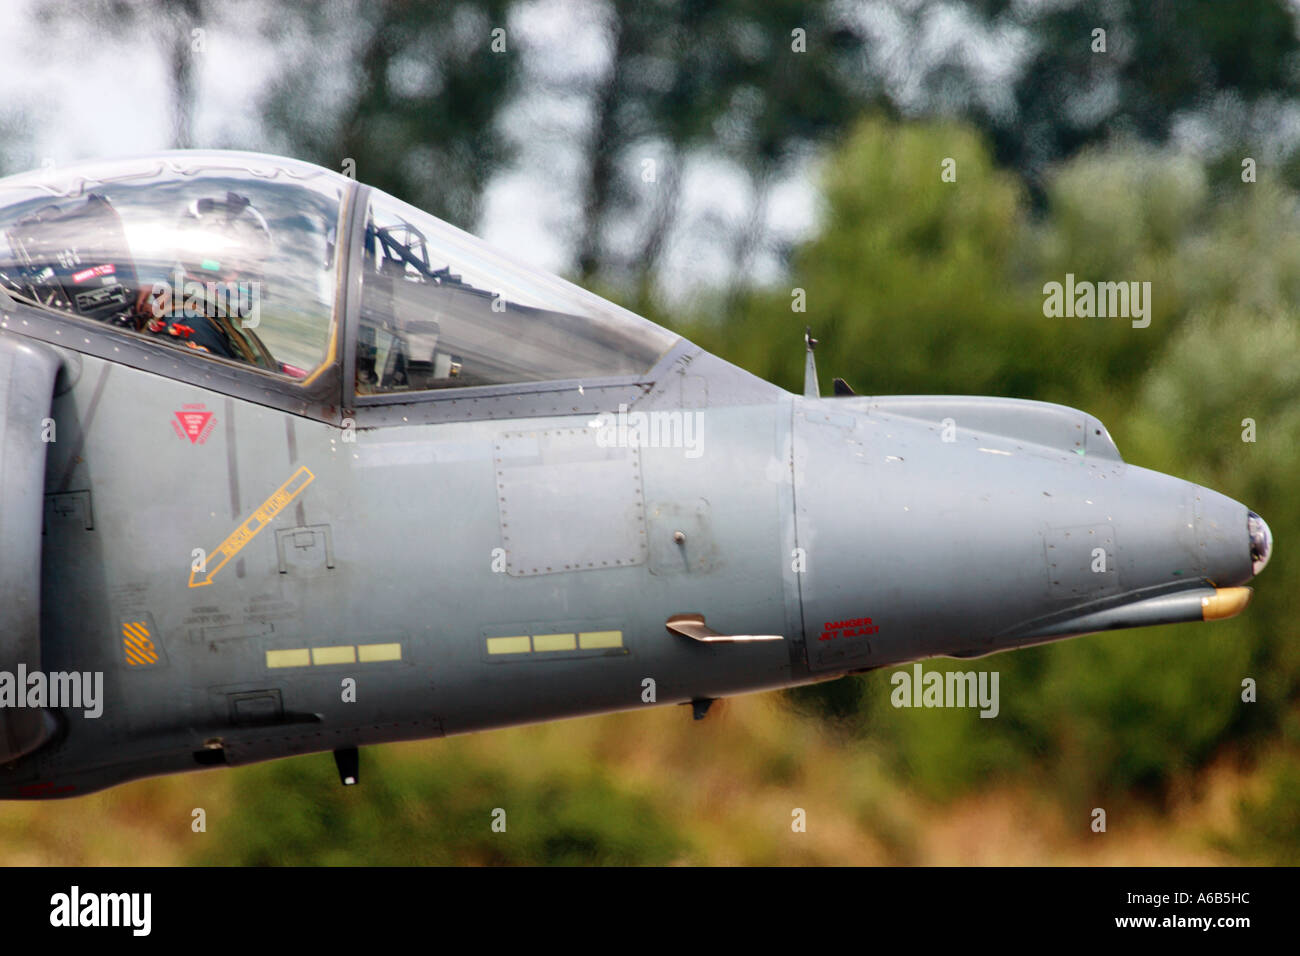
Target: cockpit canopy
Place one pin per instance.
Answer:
(239, 258)
(442, 309)
(233, 257)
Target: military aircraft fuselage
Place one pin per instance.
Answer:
(253, 567)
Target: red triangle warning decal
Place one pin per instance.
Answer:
(193, 424)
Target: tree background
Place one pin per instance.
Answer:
(799, 145)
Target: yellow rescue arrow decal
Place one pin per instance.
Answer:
(245, 533)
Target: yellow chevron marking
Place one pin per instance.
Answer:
(138, 649)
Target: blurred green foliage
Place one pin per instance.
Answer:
(438, 811)
(912, 284)
(1163, 59)
(916, 285)
(1270, 823)
(924, 286)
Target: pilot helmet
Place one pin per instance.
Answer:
(226, 240)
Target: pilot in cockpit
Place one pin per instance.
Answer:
(214, 292)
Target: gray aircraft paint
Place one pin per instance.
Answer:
(957, 548)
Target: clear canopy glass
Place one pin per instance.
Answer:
(443, 309)
(228, 254)
(236, 256)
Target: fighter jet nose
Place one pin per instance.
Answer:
(1261, 542)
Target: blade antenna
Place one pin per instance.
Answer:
(810, 386)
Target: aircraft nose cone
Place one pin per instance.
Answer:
(1261, 542)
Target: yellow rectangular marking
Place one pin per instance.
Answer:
(298, 657)
(371, 653)
(508, 645)
(341, 654)
(590, 640)
(554, 642)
